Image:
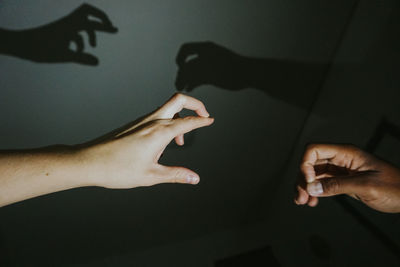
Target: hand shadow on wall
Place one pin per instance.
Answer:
(294, 82)
(51, 43)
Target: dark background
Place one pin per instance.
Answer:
(247, 160)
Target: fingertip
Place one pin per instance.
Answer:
(302, 198)
(309, 172)
(192, 179)
(201, 110)
(181, 175)
(315, 189)
(205, 114)
(179, 140)
(296, 197)
(312, 202)
(301, 195)
(199, 122)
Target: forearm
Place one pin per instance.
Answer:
(27, 174)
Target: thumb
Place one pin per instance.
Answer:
(178, 175)
(335, 186)
(83, 58)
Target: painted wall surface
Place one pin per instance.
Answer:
(240, 158)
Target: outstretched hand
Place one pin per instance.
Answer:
(208, 63)
(51, 43)
(345, 169)
(125, 158)
(129, 157)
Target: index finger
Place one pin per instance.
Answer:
(316, 154)
(177, 103)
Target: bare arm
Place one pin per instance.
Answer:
(27, 174)
(125, 158)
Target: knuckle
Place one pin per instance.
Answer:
(177, 176)
(155, 128)
(372, 192)
(178, 96)
(167, 124)
(188, 118)
(370, 188)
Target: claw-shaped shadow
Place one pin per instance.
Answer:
(292, 81)
(51, 43)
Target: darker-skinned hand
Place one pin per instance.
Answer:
(331, 170)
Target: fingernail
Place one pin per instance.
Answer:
(191, 179)
(315, 189)
(310, 179)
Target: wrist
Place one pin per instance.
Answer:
(69, 165)
(89, 164)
